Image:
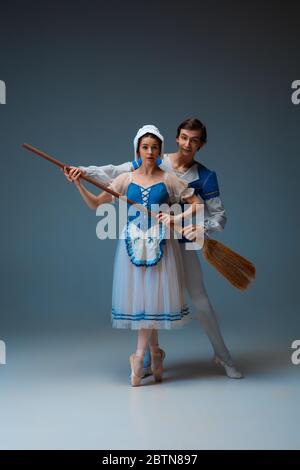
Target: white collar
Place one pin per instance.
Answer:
(190, 175)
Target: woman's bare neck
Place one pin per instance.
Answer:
(148, 171)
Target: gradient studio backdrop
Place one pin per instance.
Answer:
(81, 78)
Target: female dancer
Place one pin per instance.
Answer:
(148, 284)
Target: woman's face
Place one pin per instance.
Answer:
(149, 149)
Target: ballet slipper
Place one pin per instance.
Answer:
(231, 371)
(137, 369)
(157, 364)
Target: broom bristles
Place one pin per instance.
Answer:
(235, 268)
(222, 252)
(236, 277)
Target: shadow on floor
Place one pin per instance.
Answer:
(254, 363)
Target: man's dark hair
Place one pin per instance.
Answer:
(193, 124)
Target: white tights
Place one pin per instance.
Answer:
(204, 311)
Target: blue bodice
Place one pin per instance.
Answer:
(144, 236)
(155, 194)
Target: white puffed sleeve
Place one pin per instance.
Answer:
(214, 215)
(120, 184)
(106, 173)
(178, 189)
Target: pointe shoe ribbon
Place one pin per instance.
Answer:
(157, 359)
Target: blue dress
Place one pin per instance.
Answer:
(149, 293)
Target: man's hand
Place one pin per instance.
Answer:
(193, 232)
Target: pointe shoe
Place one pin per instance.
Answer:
(231, 371)
(137, 369)
(157, 364)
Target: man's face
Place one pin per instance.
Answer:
(189, 141)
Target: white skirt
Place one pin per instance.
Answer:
(149, 297)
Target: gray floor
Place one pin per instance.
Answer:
(72, 391)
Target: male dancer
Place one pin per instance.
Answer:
(191, 136)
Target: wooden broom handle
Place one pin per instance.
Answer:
(102, 186)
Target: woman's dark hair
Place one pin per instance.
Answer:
(153, 137)
(193, 124)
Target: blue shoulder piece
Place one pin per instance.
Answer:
(158, 161)
(136, 164)
(207, 184)
(210, 186)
